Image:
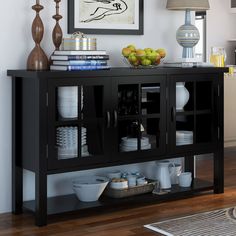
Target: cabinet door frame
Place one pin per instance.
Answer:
(76, 163)
(141, 155)
(195, 147)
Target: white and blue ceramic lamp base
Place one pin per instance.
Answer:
(187, 36)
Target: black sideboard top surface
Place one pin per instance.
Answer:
(116, 71)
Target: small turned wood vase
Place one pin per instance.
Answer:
(37, 59)
(57, 32)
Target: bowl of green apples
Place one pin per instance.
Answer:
(142, 58)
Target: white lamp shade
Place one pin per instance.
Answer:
(195, 5)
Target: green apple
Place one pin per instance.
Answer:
(148, 50)
(146, 62)
(132, 58)
(132, 47)
(151, 55)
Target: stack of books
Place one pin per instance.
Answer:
(187, 62)
(79, 60)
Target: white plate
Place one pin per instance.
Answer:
(128, 149)
(134, 142)
(184, 133)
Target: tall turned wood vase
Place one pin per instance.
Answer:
(37, 60)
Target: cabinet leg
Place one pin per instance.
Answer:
(17, 190)
(17, 172)
(41, 199)
(219, 171)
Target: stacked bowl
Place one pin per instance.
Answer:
(67, 101)
(184, 137)
(131, 144)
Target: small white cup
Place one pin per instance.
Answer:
(131, 180)
(176, 171)
(114, 174)
(141, 181)
(185, 179)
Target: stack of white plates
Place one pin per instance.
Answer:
(84, 146)
(131, 144)
(184, 137)
(67, 101)
(67, 142)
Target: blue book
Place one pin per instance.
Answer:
(81, 63)
(75, 68)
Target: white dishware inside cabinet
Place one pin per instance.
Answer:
(67, 101)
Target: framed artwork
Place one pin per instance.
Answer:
(105, 16)
(233, 6)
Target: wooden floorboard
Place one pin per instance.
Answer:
(129, 222)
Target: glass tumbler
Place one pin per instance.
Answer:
(218, 56)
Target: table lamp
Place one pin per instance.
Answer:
(188, 35)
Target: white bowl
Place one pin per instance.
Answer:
(119, 185)
(68, 111)
(67, 91)
(89, 188)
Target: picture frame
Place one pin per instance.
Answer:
(233, 6)
(106, 16)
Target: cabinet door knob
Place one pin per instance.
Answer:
(108, 119)
(115, 118)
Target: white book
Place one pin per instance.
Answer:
(79, 52)
(178, 64)
(79, 57)
(81, 63)
(187, 64)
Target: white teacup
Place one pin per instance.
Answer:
(131, 180)
(185, 179)
(141, 181)
(176, 171)
(114, 174)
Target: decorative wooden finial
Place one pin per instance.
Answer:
(37, 60)
(57, 32)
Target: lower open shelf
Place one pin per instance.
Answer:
(70, 203)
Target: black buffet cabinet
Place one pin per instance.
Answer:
(109, 106)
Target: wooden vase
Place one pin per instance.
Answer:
(37, 59)
(57, 32)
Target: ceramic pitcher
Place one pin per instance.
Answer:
(164, 173)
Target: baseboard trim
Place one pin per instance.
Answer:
(230, 143)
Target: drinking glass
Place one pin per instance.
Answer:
(218, 56)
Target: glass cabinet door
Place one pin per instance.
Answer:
(191, 112)
(77, 123)
(140, 115)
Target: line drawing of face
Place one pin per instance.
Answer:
(105, 8)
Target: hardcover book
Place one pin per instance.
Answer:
(79, 57)
(81, 63)
(79, 52)
(75, 68)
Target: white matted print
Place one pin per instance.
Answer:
(106, 16)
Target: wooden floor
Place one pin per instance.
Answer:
(128, 222)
